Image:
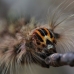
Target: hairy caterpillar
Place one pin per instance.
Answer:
(18, 51)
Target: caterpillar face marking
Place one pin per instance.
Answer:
(44, 40)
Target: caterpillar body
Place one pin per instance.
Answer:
(33, 42)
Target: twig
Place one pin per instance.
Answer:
(57, 59)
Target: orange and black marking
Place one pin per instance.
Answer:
(43, 37)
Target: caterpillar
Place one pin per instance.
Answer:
(30, 43)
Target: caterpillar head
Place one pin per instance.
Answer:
(43, 41)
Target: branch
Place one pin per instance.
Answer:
(57, 59)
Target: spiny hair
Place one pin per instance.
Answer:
(16, 51)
